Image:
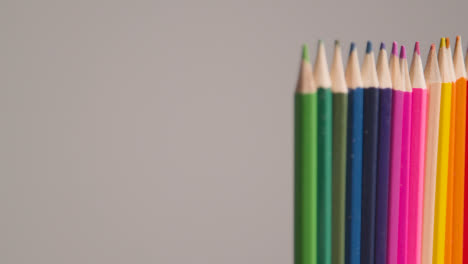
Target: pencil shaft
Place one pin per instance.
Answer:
(340, 113)
(305, 200)
(416, 186)
(459, 171)
(385, 118)
(465, 208)
(369, 173)
(433, 110)
(450, 179)
(354, 176)
(442, 171)
(404, 180)
(324, 168)
(395, 171)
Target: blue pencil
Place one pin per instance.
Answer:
(354, 159)
(383, 156)
(369, 155)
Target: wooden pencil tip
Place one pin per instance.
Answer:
(403, 52)
(432, 46)
(457, 41)
(416, 48)
(369, 47)
(447, 42)
(320, 45)
(305, 53)
(442, 43)
(337, 42)
(352, 47)
(382, 46)
(395, 48)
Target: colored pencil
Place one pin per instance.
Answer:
(459, 153)
(443, 158)
(369, 156)
(418, 146)
(305, 199)
(405, 161)
(340, 113)
(354, 162)
(383, 163)
(395, 156)
(451, 160)
(465, 208)
(324, 156)
(433, 82)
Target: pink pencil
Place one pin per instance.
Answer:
(405, 161)
(395, 157)
(418, 139)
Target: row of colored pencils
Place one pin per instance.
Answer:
(380, 157)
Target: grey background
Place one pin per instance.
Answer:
(161, 132)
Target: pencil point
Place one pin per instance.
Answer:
(352, 47)
(369, 47)
(416, 48)
(403, 52)
(382, 45)
(447, 42)
(442, 43)
(337, 42)
(458, 63)
(394, 48)
(320, 45)
(305, 53)
(432, 46)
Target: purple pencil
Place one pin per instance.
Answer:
(395, 156)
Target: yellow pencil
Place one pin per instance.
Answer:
(451, 158)
(442, 158)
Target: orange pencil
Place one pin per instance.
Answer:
(451, 172)
(459, 156)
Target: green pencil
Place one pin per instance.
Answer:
(305, 163)
(340, 113)
(324, 156)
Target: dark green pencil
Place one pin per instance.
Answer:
(324, 156)
(340, 113)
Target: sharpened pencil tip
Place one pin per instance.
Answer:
(320, 45)
(402, 52)
(305, 53)
(382, 46)
(369, 47)
(458, 38)
(442, 43)
(447, 42)
(395, 48)
(337, 42)
(352, 47)
(416, 48)
(432, 46)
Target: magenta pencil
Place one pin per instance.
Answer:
(418, 140)
(405, 161)
(395, 157)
